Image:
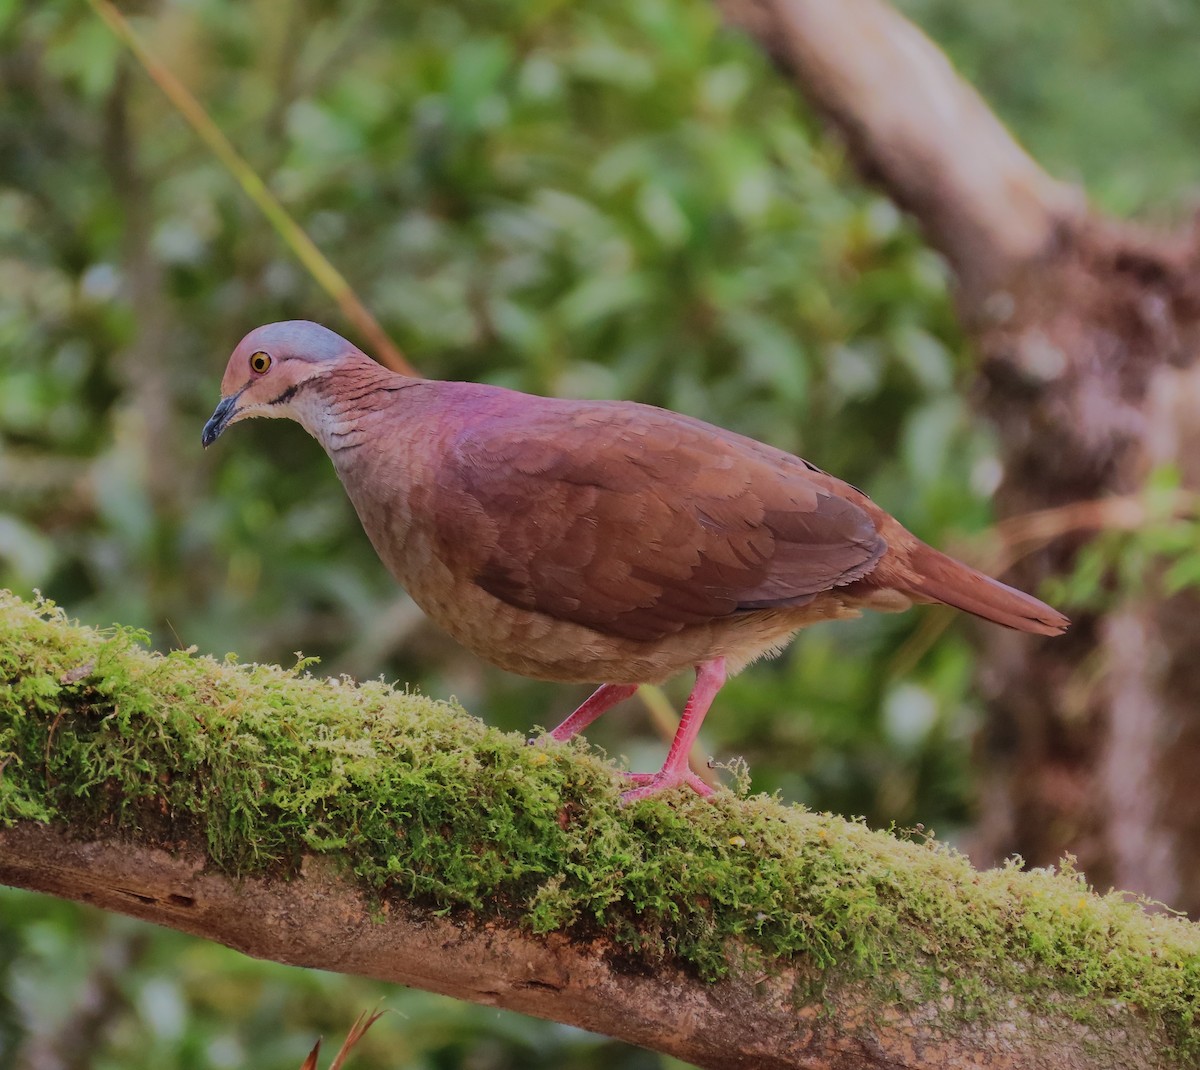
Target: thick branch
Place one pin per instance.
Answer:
(918, 129)
(366, 831)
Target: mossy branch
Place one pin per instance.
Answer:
(365, 830)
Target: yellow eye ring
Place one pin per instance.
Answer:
(260, 362)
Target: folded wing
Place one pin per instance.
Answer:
(638, 523)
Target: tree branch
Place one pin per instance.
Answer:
(362, 830)
(917, 129)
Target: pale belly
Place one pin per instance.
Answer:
(534, 645)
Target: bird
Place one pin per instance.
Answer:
(603, 542)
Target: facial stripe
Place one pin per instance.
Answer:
(289, 393)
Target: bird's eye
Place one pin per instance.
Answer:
(260, 362)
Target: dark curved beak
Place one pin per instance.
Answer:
(219, 420)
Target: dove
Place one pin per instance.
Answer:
(602, 542)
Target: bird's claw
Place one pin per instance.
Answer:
(665, 779)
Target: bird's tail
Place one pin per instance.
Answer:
(942, 579)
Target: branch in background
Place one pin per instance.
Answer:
(367, 831)
(1086, 332)
(914, 126)
(1028, 532)
(1017, 537)
(306, 251)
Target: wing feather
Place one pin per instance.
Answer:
(637, 523)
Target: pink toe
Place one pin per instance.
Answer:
(655, 783)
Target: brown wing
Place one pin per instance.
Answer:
(637, 523)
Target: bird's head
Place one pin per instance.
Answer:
(270, 367)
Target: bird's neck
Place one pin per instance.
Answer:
(341, 410)
(382, 431)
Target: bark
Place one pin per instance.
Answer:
(917, 129)
(1087, 333)
(843, 948)
(753, 1022)
(1091, 383)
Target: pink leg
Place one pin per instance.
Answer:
(602, 699)
(710, 676)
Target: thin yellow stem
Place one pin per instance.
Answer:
(666, 723)
(327, 276)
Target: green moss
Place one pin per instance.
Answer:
(260, 765)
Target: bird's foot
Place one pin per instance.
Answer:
(665, 779)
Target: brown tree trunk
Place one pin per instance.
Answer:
(1087, 334)
(1091, 379)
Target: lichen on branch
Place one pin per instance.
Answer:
(414, 801)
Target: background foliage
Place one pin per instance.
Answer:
(608, 199)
